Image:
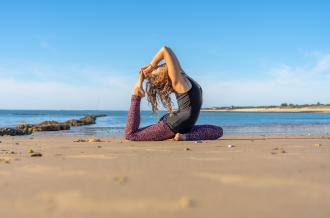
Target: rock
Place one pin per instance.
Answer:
(36, 154)
(57, 126)
(72, 123)
(44, 126)
(5, 160)
(31, 151)
(86, 120)
(80, 140)
(188, 149)
(11, 132)
(230, 146)
(26, 129)
(278, 150)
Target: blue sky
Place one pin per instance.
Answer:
(86, 54)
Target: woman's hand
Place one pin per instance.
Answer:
(147, 69)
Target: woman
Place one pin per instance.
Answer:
(162, 80)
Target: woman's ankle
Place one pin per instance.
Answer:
(179, 137)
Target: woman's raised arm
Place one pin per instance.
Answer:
(174, 68)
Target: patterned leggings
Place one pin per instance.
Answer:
(161, 131)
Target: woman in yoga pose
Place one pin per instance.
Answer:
(162, 80)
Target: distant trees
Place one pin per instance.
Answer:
(301, 105)
(283, 105)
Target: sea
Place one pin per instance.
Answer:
(232, 122)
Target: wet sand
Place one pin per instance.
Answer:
(256, 176)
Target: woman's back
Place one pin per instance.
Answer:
(189, 105)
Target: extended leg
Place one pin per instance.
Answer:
(156, 132)
(202, 132)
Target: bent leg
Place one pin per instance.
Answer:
(204, 132)
(156, 132)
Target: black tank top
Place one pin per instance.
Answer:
(189, 105)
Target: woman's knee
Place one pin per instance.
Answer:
(218, 131)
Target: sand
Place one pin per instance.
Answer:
(256, 176)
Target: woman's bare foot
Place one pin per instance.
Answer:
(179, 137)
(138, 91)
(138, 88)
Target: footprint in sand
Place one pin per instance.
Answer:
(150, 149)
(121, 179)
(74, 203)
(50, 170)
(4, 173)
(264, 182)
(206, 158)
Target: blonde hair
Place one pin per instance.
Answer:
(158, 89)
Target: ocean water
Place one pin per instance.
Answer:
(232, 122)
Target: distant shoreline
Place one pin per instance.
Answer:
(275, 110)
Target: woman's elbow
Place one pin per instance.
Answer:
(165, 48)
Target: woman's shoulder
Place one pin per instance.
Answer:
(186, 84)
(191, 80)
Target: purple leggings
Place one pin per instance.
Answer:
(161, 131)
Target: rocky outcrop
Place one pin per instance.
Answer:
(11, 132)
(87, 120)
(44, 126)
(26, 129)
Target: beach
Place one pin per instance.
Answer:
(235, 176)
(78, 78)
